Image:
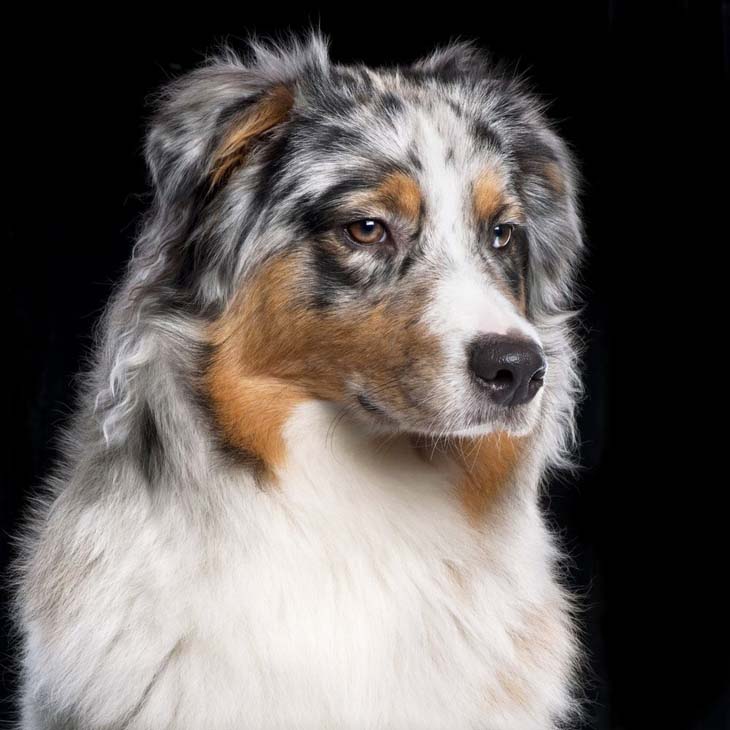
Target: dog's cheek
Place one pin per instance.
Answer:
(392, 352)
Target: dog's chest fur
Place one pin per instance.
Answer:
(353, 593)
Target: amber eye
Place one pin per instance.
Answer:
(502, 235)
(366, 232)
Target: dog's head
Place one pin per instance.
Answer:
(393, 240)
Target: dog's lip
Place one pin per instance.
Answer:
(364, 400)
(368, 405)
(498, 416)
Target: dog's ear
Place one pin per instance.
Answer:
(550, 183)
(208, 120)
(248, 126)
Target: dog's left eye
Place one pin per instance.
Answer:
(366, 232)
(502, 235)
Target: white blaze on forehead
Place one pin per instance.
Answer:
(442, 182)
(466, 304)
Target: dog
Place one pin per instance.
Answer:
(301, 486)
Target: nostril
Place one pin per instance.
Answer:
(536, 382)
(495, 379)
(539, 375)
(502, 377)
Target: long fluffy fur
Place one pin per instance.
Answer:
(161, 585)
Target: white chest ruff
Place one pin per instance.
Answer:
(353, 595)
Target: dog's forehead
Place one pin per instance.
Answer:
(373, 122)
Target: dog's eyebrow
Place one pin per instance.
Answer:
(488, 193)
(509, 209)
(491, 199)
(400, 192)
(396, 191)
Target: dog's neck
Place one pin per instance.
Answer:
(332, 461)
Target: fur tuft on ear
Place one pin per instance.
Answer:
(231, 98)
(270, 110)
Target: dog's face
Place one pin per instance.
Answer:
(391, 241)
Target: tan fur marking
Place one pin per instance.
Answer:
(271, 110)
(489, 464)
(252, 412)
(250, 404)
(272, 351)
(490, 196)
(401, 192)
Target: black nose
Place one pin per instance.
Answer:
(510, 368)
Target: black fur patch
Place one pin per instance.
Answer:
(151, 450)
(369, 406)
(486, 135)
(332, 276)
(406, 264)
(319, 214)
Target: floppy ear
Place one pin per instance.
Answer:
(271, 109)
(208, 120)
(550, 184)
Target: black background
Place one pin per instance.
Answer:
(639, 96)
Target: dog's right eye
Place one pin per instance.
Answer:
(366, 232)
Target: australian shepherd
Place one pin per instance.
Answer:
(301, 488)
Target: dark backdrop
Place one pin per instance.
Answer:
(636, 95)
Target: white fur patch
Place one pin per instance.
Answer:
(352, 594)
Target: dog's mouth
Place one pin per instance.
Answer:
(475, 416)
(370, 407)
